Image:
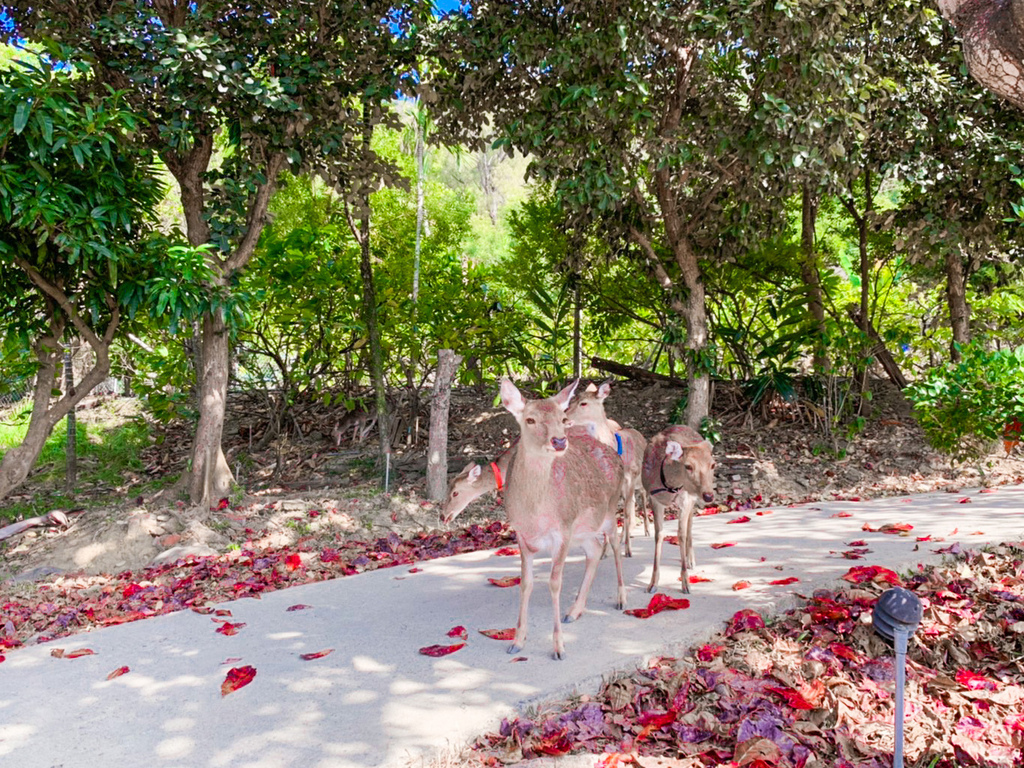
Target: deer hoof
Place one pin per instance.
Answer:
(514, 648)
(558, 655)
(650, 587)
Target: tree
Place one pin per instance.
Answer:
(284, 86)
(75, 197)
(992, 35)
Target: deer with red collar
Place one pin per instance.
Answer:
(475, 481)
(562, 489)
(678, 467)
(629, 444)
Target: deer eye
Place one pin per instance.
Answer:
(531, 421)
(454, 494)
(583, 405)
(565, 421)
(689, 467)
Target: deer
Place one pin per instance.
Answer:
(629, 444)
(678, 467)
(359, 421)
(474, 481)
(562, 489)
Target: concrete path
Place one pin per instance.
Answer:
(375, 700)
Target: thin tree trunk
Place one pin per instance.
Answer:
(71, 440)
(959, 309)
(577, 331)
(437, 453)
(812, 280)
(698, 377)
(420, 211)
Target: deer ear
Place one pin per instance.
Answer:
(673, 450)
(474, 472)
(562, 398)
(511, 398)
(604, 390)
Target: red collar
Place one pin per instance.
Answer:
(497, 474)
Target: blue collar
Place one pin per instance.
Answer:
(618, 443)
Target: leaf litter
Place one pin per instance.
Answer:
(814, 688)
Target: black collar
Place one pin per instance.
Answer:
(666, 488)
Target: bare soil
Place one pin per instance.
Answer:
(306, 490)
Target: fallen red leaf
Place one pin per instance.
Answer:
(415, 570)
(659, 603)
(965, 500)
(783, 582)
(518, 658)
(237, 677)
(118, 672)
(671, 539)
(698, 579)
(499, 634)
(764, 512)
(459, 632)
(316, 655)
(507, 581)
(843, 514)
(228, 629)
(292, 562)
(793, 698)
(222, 504)
(743, 519)
(709, 651)
(857, 543)
(441, 650)
(896, 528)
(740, 585)
(723, 544)
(975, 682)
(79, 653)
(298, 607)
(924, 538)
(743, 620)
(506, 552)
(858, 574)
(987, 490)
(844, 652)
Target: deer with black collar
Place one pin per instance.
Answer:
(678, 468)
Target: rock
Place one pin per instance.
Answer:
(34, 574)
(177, 553)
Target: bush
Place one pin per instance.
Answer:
(964, 407)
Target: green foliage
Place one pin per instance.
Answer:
(965, 407)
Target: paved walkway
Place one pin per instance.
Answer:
(375, 701)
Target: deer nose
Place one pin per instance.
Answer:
(708, 497)
(559, 443)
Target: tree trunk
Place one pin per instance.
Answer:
(812, 280)
(698, 375)
(210, 478)
(992, 32)
(71, 439)
(577, 330)
(959, 309)
(437, 453)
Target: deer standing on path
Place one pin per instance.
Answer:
(563, 489)
(678, 467)
(628, 444)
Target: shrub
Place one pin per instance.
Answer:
(964, 407)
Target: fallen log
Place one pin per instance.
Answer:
(878, 349)
(632, 372)
(56, 517)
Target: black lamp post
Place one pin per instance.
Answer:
(896, 616)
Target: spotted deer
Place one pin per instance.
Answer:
(359, 421)
(678, 467)
(475, 481)
(563, 489)
(588, 411)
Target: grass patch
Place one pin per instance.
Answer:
(109, 451)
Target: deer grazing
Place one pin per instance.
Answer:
(678, 467)
(629, 444)
(475, 481)
(563, 489)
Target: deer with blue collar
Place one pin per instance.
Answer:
(588, 411)
(677, 469)
(562, 489)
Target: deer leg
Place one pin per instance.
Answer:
(525, 588)
(658, 509)
(558, 555)
(620, 601)
(685, 542)
(592, 548)
(645, 502)
(629, 512)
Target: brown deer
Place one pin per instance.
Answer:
(629, 444)
(359, 421)
(475, 481)
(563, 489)
(678, 467)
